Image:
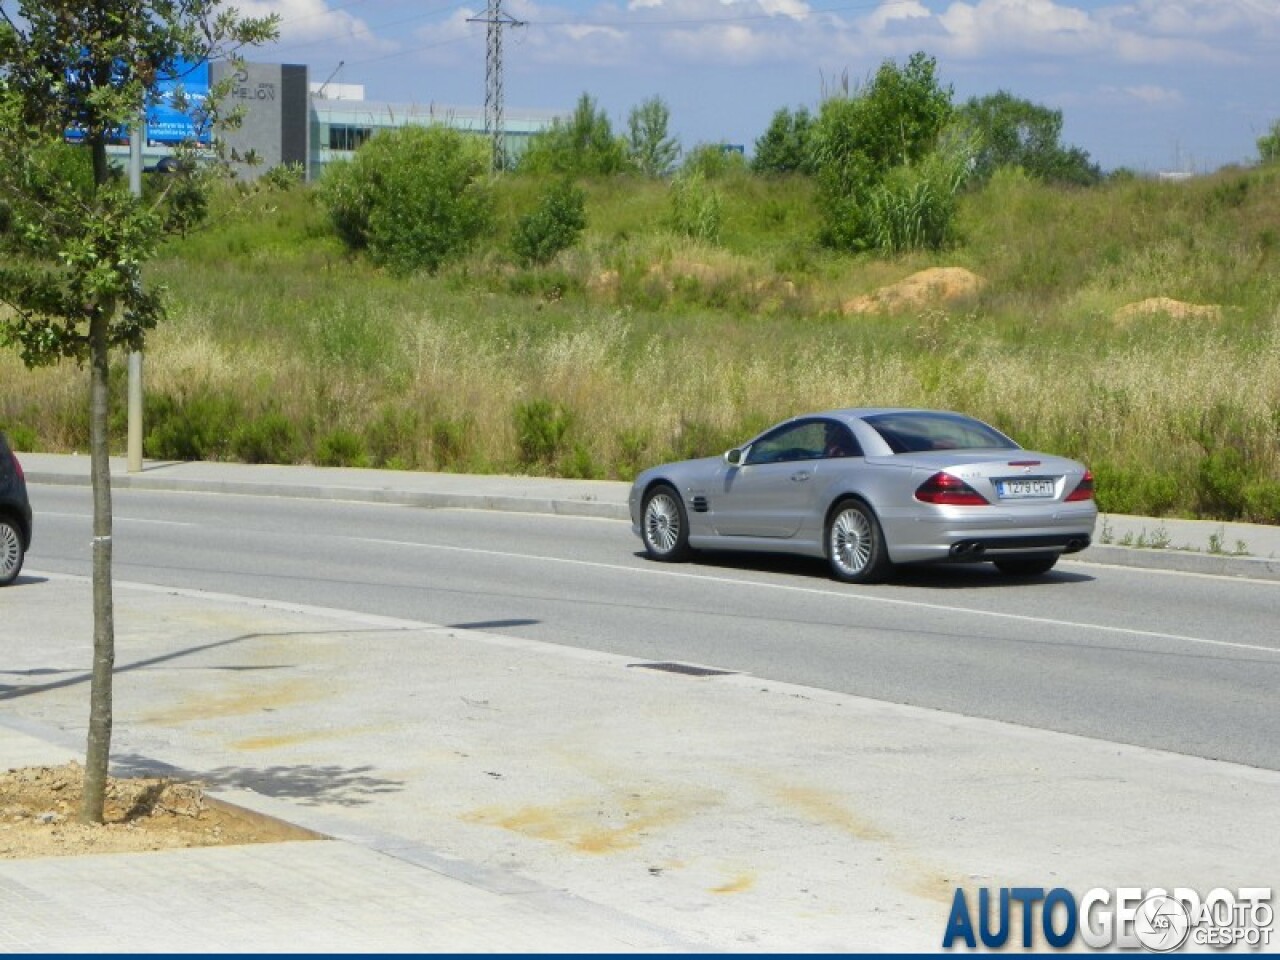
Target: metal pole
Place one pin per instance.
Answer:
(135, 356)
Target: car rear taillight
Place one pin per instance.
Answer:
(17, 467)
(944, 489)
(1083, 490)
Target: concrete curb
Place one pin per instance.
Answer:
(560, 506)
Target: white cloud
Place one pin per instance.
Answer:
(311, 22)
(1149, 94)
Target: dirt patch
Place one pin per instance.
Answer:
(925, 288)
(1168, 307)
(39, 807)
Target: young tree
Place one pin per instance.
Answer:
(651, 149)
(584, 145)
(895, 120)
(78, 237)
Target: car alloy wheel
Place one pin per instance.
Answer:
(855, 545)
(665, 525)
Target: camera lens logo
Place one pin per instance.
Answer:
(1161, 924)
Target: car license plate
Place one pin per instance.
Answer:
(1030, 489)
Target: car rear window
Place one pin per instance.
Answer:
(915, 432)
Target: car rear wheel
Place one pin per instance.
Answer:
(1025, 566)
(855, 544)
(664, 525)
(11, 552)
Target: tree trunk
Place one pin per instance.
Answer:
(98, 757)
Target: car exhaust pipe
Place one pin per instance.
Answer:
(1076, 544)
(967, 548)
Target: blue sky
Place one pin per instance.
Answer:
(1149, 84)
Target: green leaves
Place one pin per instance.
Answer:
(554, 225)
(74, 238)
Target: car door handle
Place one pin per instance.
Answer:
(800, 476)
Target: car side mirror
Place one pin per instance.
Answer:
(735, 456)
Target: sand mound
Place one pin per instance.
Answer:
(932, 286)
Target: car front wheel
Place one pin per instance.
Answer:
(855, 544)
(664, 525)
(11, 553)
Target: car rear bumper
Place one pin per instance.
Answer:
(970, 534)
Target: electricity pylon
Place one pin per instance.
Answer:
(494, 124)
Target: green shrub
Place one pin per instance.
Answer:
(450, 440)
(21, 437)
(392, 437)
(270, 438)
(541, 430)
(414, 198)
(579, 464)
(341, 448)
(554, 225)
(198, 427)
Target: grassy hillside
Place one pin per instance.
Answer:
(637, 346)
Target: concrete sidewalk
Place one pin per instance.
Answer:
(494, 794)
(1199, 546)
(487, 793)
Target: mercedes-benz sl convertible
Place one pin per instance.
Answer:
(869, 489)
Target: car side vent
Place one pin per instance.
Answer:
(699, 504)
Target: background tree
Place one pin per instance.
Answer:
(583, 145)
(78, 238)
(413, 198)
(1018, 133)
(652, 150)
(784, 146)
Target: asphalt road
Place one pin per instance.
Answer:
(1178, 662)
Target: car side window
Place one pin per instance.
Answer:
(793, 441)
(838, 441)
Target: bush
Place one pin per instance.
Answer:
(541, 430)
(199, 427)
(270, 438)
(450, 440)
(414, 198)
(341, 448)
(555, 225)
(392, 438)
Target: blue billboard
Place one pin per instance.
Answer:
(165, 122)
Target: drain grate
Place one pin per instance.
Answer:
(684, 668)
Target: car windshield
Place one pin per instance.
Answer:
(914, 431)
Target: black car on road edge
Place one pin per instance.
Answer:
(15, 515)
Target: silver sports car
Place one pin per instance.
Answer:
(871, 488)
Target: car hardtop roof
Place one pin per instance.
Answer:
(856, 413)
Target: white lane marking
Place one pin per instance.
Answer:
(116, 518)
(843, 594)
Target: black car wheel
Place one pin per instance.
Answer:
(664, 525)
